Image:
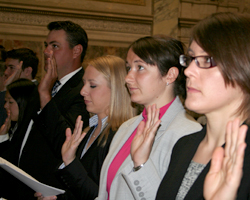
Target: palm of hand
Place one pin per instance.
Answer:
(72, 142)
(224, 176)
(143, 141)
(6, 126)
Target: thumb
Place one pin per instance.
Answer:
(217, 160)
(68, 134)
(140, 128)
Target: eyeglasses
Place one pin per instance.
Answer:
(201, 61)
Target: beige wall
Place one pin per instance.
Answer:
(111, 25)
(177, 17)
(192, 11)
(166, 13)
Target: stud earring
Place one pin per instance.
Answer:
(167, 84)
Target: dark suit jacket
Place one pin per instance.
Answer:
(3, 113)
(12, 147)
(42, 151)
(182, 155)
(81, 177)
(6, 144)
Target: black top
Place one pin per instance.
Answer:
(3, 113)
(42, 151)
(81, 177)
(183, 153)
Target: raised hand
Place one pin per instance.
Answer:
(6, 126)
(224, 176)
(72, 142)
(142, 143)
(41, 197)
(15, 75)
(48, 81)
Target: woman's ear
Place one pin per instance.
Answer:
(172, 75)
(77, 50)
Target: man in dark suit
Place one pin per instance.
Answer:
(3, 114)
(39, 151)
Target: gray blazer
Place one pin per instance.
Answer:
(143, 184)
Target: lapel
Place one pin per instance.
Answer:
(83, 143)
(17, 139)
(30, 113)
(169, 116)
(118, 141)
(183, 162)
(196, 191)
(122, 135)
(67, 87)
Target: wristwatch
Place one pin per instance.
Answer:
(138, 167)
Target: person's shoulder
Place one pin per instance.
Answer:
(76, 79)
(195, 136)
(130, 121)
(185, 122)
(181, 118)
(123, 129)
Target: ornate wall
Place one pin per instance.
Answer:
(191, 11)
(166, 13)
(177, 17)
(111, 25)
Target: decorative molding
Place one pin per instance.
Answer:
(132, 2)
(214, 2)
(76, 13)
(192, 11)
(88, 24)
(187, 22)
(218, 3)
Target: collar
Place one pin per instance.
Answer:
(64, 79)
(162, 111)
(93, 121)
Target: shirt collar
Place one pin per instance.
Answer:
(93, 121)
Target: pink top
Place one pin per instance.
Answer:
(125, 150)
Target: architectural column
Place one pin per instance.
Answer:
(166, 13)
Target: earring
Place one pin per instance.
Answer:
(167, 84)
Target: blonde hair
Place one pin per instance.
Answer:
(121, 109)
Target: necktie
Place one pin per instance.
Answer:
(54, 90)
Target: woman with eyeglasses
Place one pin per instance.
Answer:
(218, 85)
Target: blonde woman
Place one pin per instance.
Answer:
(106, 96)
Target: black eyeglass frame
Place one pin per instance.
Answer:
(191, 58)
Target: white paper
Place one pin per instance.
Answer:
(37, 186)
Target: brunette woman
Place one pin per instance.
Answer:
(218, 77)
